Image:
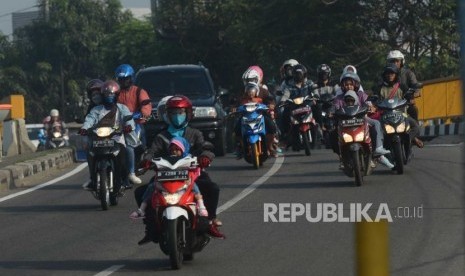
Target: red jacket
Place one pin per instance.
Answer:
(128, 97)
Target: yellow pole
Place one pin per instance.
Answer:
(372, 243)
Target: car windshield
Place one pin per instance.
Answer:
(190, 83)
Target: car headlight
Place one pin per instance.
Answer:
(347, 138)
(173, 198)
(389, 129)
(400, 128)
(205, 112)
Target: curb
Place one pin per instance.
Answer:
(13, 176)
(442, 129)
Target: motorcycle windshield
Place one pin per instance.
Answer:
(391, 104)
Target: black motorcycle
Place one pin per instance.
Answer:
(327, 115)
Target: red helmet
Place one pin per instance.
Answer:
(109, 90)
(179, 101)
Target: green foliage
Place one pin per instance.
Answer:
(85, 39)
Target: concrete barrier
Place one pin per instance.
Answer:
(13, 176)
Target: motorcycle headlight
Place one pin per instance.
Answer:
(174, 197)
(299, 100)
(347, 138)
(205, 112)
(56, 134)
(389, 129)
(360, 137)
(103, 131)
(400, 128)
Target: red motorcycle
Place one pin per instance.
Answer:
(354, 142)
(182, 230)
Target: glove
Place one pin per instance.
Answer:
(204, 161)
(83, 132)
(145, 164)
(127, 129)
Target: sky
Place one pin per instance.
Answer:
(9, 6)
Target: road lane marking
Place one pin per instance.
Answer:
(53, 181)
(277, 164)
(109, 270)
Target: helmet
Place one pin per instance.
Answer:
(349, 68)
(299, 72)
(124, 71)
(354, 77)
(176, 102)
(161, 109)
(109, 90)
(286, 68)
(54, 113)
(323, 71)
(390, 69)
(254, 74)
(395, 54)
(251, 90)
(95, 84)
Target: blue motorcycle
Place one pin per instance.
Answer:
(253, 140)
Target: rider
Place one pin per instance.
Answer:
(178, 114)
(392, 88)
(299, 87)
(56, 124)
(407, 79)
(178, 148)
(351, 81)
(110, 114)
(136, 99)
(323, 85)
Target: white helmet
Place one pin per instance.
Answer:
(250, 74)
(161, 109)
(54, 113)
(349, 68)
(291, 62)
(395, 54)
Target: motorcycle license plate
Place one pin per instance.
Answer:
(301, 110)
(352, 122)
(392, 117)
(103, 143)
(172, 175)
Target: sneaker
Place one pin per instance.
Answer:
(215, 233)
(383, 160)
(89, 186)
(134, 179)
(382, 151)
(217, 222)
(341, 165)
(372, 164)
(146, 239)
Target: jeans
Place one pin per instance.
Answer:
(130, 158)
(379, 132)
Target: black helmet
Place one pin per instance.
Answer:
(391, 68)
(95, 84)
(299, 72)
(323, 69)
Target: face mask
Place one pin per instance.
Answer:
(178, 119)
(109, 99)
(97, 99)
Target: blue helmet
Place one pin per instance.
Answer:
(123, 71)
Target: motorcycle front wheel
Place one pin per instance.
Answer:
(306, 142)
(357, 166)
(255, 156)
(103, 190)
(174, 237)
(399, 157)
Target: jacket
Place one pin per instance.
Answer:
(128, 97)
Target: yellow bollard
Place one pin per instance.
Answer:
(372, 241)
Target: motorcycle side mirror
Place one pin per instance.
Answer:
(373, 98)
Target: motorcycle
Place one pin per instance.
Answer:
(254, 143)
(396, 130)
(104, 150)
(182, 230)
(327, 115)
(354, 142)
(303, 124)
(57, 139)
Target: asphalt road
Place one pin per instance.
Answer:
(60, 229)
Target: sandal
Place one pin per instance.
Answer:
(217, 222)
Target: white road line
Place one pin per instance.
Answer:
(445, 145)
(277, 164)
(109, 270)
(53, 181)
